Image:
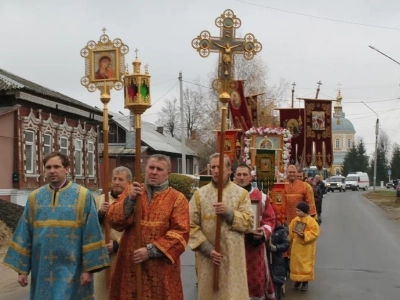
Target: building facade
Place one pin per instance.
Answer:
(35, 121)
(122, 148)
(343, 136)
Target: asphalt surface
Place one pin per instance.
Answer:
(357, 255)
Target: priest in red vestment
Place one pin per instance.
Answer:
(258, 274)
(165, 233)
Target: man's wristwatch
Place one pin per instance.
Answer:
(149, 246)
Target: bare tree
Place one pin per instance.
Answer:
(169, 117)
(194, 112)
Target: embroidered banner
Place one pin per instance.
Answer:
(318, 133)
(265, 169)
(277, 197)
(229, 147)
(238, 108)
(292, 119)
(252, 105)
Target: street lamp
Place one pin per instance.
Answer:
(376, 142)
(373, 48)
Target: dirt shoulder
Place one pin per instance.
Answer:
(386, 200)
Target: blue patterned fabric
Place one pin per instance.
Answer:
(57, 238)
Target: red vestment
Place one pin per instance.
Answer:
(165, 224)
(258, 274)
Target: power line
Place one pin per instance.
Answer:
(318, 17)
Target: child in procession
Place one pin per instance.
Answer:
(303, 234)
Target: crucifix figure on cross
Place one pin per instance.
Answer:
(227, 44)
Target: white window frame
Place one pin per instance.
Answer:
(78, 154)
(29, 144)
(49, 145)
(61, 146)
(179, 161)
(337, 143)
(90, 159)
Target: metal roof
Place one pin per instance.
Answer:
(121, 150)
(151, 137)
(7, 109)
(9, 81)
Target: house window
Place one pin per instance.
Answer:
(78, 158)
(349, 143)
(179, 165)
(29, 150)
(337, 143)
(47, 144)
(91, 158)
(64, 145)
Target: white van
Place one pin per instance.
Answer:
(357, 180)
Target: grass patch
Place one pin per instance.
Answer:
(383, 195)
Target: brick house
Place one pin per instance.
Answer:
(35, 121)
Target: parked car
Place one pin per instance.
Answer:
(337, 183)
(392, 184)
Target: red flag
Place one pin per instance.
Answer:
(238, 106)
(293, 119)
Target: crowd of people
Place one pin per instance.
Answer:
(59, 240)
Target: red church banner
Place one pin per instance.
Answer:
(293, 120)
(252, 105)
(238, 106)
(229, 147)
(318, 132)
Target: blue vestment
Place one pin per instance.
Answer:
(57, 238)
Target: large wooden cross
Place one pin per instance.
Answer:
(227, 45)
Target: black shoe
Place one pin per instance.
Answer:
(304, 286)
(297, 284)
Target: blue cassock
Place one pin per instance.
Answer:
(57, 238)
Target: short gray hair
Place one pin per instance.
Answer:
(228, 163)
(161, 157)
(125, 170)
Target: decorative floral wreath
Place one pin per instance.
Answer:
(287, 136)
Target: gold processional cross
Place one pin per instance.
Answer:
(227, 45)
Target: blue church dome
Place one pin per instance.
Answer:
(344, 126)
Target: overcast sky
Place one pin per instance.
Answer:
(41, 41)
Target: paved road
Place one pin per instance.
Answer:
(357, 255)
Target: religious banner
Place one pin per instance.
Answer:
(238, 106)
(265, 169)
(292, 119)
(229, 147)
(318, 132)
(252, 105)
(277, 197)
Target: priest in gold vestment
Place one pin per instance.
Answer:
(238, 218)
(297, 191)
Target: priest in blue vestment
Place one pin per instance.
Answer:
(58, 240)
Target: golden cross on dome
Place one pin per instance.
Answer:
(104, 30)
(136, 51)
(339, 86)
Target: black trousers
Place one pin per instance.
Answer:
(278, 291)
(318, 207)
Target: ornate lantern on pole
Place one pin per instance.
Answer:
(137, 100)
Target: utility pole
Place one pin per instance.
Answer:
(182, 126)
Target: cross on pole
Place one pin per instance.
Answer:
(104, 30)
(339, 86)
(319, 84)
(226, 44)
